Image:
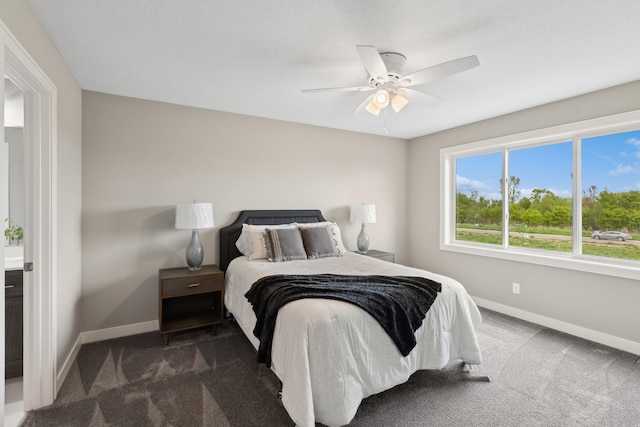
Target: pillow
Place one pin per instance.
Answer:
(334, 233)
(257, 244)
(317, 242)
(284, 244)
(252, 238)
(243, 241)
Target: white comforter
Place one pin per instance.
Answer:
(330, 354)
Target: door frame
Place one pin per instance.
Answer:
(40, 237)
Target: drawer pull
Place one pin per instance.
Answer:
(9, 286)
(193, 285)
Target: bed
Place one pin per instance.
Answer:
(329, 355)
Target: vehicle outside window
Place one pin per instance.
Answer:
(612, 235)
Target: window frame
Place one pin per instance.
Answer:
(576, 131)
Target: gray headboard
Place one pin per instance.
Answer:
(229, 234)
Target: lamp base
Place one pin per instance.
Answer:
(195, 252)
(363, 241)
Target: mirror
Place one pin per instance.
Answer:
(14, 158)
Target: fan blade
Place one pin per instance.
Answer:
(339, 89)
(373, 63)
(420, 97)
(363, 105)
(440, 71)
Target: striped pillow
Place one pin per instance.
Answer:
(284, 244)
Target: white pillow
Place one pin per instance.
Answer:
(243, 241)
(334, 232)
(251, 242)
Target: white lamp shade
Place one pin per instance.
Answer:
(363, 213)
(399, 101)
(194, 215)
(372, 109)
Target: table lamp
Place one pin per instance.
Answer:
(365, 214)
(194, 216)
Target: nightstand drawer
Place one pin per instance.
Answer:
(191, 285)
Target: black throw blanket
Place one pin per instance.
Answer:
(398, 303)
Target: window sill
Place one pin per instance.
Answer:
(584, 263)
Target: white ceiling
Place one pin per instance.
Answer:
(254, 57)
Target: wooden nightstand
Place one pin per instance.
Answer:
(386, 256)
(190, 299)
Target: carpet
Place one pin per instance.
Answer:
(539, 377)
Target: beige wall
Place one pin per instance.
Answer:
(140, 158)
(18, 17)
(601, 303)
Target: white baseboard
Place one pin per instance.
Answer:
(578, 331)
(119, 331)
(66, 366)
(101, 335)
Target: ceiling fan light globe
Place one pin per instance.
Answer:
(398, 102)
(381, 99)
(372, 108)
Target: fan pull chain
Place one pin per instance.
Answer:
(385, 130)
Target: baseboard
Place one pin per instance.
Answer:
(119, 331)
(101, 335)
(66, 366)
(569, 328)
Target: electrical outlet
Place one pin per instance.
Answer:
(516, 288)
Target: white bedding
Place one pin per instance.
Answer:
(330, 354)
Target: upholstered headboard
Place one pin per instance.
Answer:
(229, 234)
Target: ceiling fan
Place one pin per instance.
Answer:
(392, 88)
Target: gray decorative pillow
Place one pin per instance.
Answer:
(317, 242)
(284, 244)
(334, 233)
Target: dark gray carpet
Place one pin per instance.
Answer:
(540, 377)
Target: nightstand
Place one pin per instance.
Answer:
(190, 299)
(385, 256)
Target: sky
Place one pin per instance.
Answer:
(609, 162)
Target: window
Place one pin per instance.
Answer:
(567, 196)
(539, 197)
(478, 205)
(611, 194)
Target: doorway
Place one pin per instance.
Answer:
(12, 167)
(39, 341)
